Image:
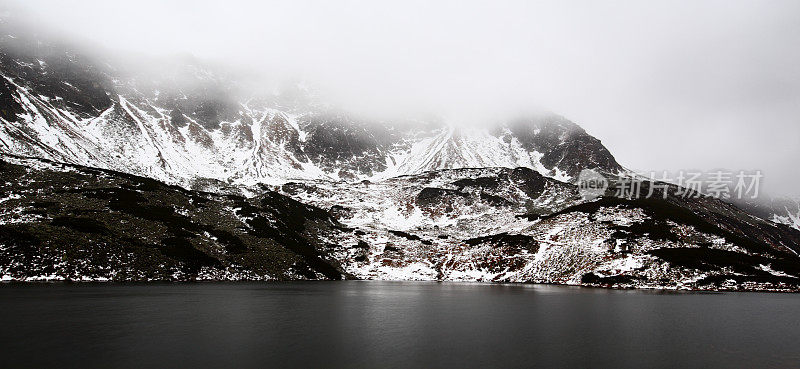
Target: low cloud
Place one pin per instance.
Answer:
(665, 85)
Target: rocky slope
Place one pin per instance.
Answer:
(515, 225)
(61, 221)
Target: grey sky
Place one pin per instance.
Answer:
(664, 84)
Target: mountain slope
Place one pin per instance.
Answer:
(515, 225)
(63, 221)
(189, 123)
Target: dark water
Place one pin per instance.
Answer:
(390, 324)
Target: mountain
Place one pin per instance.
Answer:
(113, 173)
(780, 210)
(516, 225)
(790, 215)
(71, 108)
(62, 221)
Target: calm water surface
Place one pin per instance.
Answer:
(391, 324)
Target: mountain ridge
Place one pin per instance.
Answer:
(199, 181)
(65, 107)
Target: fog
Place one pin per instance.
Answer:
(665, 85)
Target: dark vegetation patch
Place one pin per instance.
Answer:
(495, 200)
(516, 241)
(528, 180)
(614, 280)
(181, 249)
(405, 235)
(657, 229)
(44, 204)
(708, 259)
(480, 182)
(233, 244)
(294, 188)
(431, 196)
(411, 237)
(529, 216)
(9, 107)
(101, 223)
(87, 225)
(362, 251)
(283, 219)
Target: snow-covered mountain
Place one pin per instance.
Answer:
(63, 106)
(791, 217)
(488, 224)
(781, 210)
(294, 188)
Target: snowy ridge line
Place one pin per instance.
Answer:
(137, 134)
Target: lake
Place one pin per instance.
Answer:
(391, 324)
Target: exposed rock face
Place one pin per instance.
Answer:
(564, 145)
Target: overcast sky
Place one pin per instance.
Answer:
(664, 84)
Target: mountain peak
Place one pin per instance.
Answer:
(181, 128)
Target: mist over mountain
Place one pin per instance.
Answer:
(656, 83)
